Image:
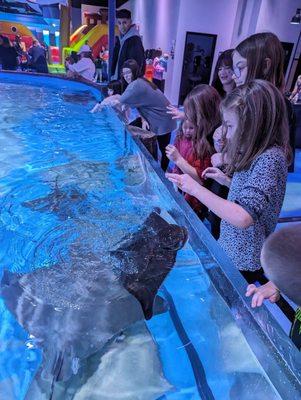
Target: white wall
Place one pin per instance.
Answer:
(275, 16)
(246, 20)
(157, 20)
(215, 17)
(158, 24)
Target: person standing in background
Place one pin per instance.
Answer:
(128, 45)
(9, 55)
(160, 69)
(37, 55)
(84, 68)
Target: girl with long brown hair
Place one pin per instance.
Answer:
(258, 151)
(261, 56)
(193, 146)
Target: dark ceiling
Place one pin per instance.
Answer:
(100, 3)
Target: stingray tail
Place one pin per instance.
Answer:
(61, 368)
(56, 373)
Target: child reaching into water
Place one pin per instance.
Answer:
(114, 88)
(257, 153)
(193, 146)
(281, 261)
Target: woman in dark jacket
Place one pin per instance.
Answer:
(9, 55)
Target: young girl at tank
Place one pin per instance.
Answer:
(193, 146)
(207, 110)
(257, 153)
(261, 56)
(150, 103)
(113, 88)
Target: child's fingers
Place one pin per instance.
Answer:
(210, 169)
(210, 175)
(205, 172)
(251, 289)
(171, 175)
(257, 300)
(175, 178)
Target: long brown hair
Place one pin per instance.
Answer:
(256, 49)
(201, 108)
(262, 117)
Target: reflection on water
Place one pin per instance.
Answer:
(85, 248)
(92, 266)
(129, 369)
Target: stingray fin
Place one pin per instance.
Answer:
(160, 305)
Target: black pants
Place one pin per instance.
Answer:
(159, 83)
(215, 221)
(163, 141)
(295, 333)
(255, 276)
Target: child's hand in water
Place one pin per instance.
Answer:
(184, 182)
(175, 112)
(265, 292)
(172, 153)
(96, 108)
(217, 175)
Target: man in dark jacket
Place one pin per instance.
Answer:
(128, 45)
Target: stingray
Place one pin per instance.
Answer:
(73, 310)
(65, 202)
(82, 98)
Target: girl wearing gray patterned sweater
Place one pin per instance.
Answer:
(257, 155)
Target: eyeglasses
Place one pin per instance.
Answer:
(237, 70)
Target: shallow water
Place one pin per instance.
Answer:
(72, 185)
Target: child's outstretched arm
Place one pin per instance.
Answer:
(111, 100)
(227, 210)
(98, 107)
(174, 155)
(175, 112)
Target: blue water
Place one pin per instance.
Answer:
(72, 184)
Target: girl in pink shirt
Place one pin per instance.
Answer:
(193, 147)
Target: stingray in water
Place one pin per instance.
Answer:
(81, 98)
(73, 310)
